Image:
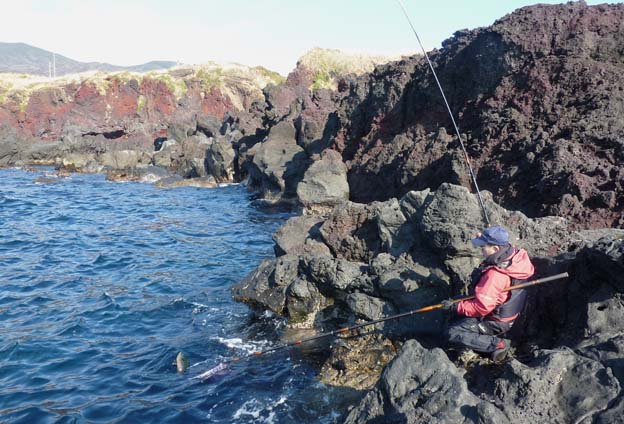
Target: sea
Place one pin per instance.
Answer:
(103, 283)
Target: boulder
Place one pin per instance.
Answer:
(9, 146)
(125, 159)
(265, 287)
(300, 235)
(337, 278)
(453, 217)
(303, 301)
(209, 125)
(558, 386)
(168, 154)
(220, 160)
(609, 353)
(192, 160)
(351, 232)
(367, 307)
(407, 286)
(278, 163)
(422, 385)
(186, 158)
(324, 182)
(80, 161)
(181, 129)
(397, 231)
(605, 258)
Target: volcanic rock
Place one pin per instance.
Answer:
(220, 160)
(324, 182)
(557, 386)
(300, 235)
(422, 385)
(278, 164)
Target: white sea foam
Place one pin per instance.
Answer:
(260, 413)
(239, 344)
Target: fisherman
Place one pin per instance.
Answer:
(481, 323)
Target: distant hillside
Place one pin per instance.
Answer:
(25, 59)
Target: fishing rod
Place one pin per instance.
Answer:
(225, 364)
(448, 108)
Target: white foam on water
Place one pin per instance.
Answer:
(259, 412)
(251, 407)
(239, 344)
(200, 307)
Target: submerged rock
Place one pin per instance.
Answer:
(176, 181)
(357, 361)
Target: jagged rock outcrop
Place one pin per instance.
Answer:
(363, 262)
(537, 96)
(121, 107)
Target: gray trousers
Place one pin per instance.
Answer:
(477, 334)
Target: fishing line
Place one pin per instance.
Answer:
(448, 108)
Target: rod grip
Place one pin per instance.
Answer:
(553, 277)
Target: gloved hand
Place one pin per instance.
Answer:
(449, 305)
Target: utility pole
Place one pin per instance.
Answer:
(54, 64)
(49, 69)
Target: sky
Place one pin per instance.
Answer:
(271, 33)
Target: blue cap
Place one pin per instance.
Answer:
(495, 235)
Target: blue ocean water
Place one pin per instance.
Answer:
(102, 284)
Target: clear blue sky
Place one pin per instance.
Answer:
(272, 33)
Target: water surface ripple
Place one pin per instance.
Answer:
(101, 284)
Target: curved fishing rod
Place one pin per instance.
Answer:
(224, 365)
(448, 108)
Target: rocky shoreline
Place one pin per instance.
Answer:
(363, 262)
(386, 216)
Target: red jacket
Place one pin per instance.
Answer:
(489, 290)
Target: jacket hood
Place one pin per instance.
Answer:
(520, 268)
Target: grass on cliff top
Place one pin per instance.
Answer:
(230, 79)
(330, 64)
